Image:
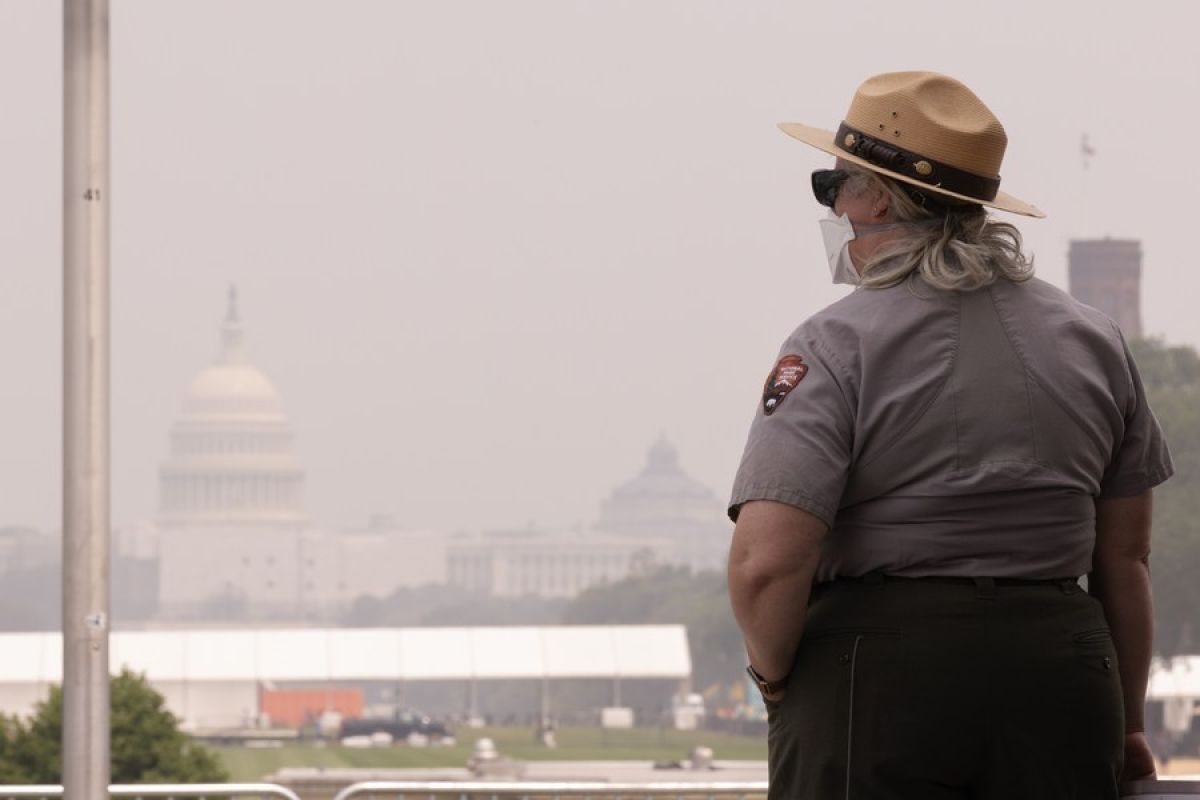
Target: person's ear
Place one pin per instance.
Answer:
(881, 203)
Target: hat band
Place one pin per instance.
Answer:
(913, 165)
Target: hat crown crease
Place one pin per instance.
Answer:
(933, 115)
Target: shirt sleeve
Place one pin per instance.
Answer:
(799, 448)
(1142, 459)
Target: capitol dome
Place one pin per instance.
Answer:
(231, 459)
(233, 390)
(663, 500)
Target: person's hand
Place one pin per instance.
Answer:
(1139, 761)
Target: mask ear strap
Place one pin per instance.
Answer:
(879, 226)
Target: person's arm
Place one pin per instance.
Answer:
(772, 561)
(1120, 580)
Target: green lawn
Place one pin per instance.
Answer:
(574, 744)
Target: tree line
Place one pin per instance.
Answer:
(1172, 378)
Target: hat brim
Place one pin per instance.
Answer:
(824, 140)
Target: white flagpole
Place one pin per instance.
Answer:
(86, 202)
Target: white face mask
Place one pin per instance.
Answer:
(838, 233)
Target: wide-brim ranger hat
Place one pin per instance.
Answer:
(923, 129)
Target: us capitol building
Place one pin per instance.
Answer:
(232, 538)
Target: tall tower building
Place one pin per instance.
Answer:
(231, 460)
(1106, 274)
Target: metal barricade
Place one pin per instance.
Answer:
(182, 791)
(1176, 787)
(40, 792)
(1167, 789)
(548, 790)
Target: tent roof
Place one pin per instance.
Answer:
(1175, 677)
(319, 654)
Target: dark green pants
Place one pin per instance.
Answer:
(937, 691)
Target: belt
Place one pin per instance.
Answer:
(957, 580)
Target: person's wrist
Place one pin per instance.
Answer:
(768, 688)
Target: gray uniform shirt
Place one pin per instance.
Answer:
(953, 433)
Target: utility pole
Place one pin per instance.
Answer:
(85, 490)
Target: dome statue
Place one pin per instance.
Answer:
(231, 459)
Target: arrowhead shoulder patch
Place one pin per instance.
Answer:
(786, 376)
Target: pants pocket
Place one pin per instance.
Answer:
(1096, 650)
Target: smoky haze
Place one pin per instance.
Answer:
(488, 252)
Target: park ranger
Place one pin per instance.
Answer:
(934, 462)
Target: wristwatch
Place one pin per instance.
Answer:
(766, 687)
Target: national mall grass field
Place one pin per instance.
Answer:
(574, 744)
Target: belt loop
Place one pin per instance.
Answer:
(1069, 585)
(985, 588)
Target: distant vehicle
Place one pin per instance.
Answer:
(398, 725)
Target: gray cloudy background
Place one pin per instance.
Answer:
(488, 251)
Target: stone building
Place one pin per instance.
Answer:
(662, 516)
(233, 538)
(541, 563)
(665, 505)
(231, 459)
(1106, 274)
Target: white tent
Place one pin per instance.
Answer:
(210, 678)
(1178, 677)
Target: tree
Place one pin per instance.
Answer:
(439, 604)
(10, 771)
(1172, 378)
(699, 601)
(1164, 366)
(147, 745)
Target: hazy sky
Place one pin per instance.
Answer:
(489, 250)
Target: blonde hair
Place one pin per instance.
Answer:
(953, 246)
